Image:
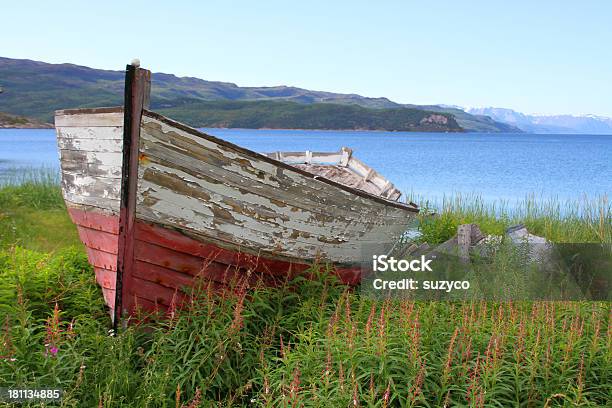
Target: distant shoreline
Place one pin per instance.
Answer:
(27, 127)
(50, 126)
(10, 121)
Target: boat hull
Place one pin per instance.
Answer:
(205, 208)
(168, 262)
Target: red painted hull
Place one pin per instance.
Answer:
(167, 262)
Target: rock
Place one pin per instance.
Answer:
(537, 249)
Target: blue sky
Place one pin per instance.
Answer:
(534, 56)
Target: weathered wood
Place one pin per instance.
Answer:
(340, 167)
(89, 218)
(88, 133)
(153, 292)
(105, 278)
(175, 204)
(86, 186)
(96, 239)
(105, 119)
(198, 202)
(167, 206)
(88, 111)
(145, 305)
(90, 169)
(176, 148)
(198, 246)
(100, 204)
(96, 158)
(137, 87)
(307, 157)
(265, 163)
(109, 297)
(159, 184)
(464, 241)
(102, 259)
(90, 145)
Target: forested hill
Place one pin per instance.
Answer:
(36, 89)
(292, 115)
(9, 121)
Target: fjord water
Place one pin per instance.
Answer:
(506, 167)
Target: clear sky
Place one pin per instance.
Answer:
(536, 56)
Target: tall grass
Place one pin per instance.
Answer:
(36, 188)
(314, 344)
(571, 221)
(32, 211)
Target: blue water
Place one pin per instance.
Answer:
(505, 167)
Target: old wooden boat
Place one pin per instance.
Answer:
(158, 203)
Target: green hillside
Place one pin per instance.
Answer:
(284, 115)
(36, 89)
(8, 120)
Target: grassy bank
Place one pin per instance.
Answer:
(584, 220)
(309, 343)
(32, 212)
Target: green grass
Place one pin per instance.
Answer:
(304, 344)
(32, 212)
(586, 220)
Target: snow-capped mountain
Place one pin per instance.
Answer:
(583, 124)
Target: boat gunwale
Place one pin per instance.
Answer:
(410, 207)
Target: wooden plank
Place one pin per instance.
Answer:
(90, 169)
(94, 220)
(146, 305)
(161, 275)
(109, 297)
(98, 158)
(183, 211)
(233, 201)
(90, 145)
(81, 111)
(100, 240)
(91, 133)
(187, 213)
(189, 245)
(300, 157)
(102, 259)
(176, 263)
(153, 292)
(105, 119)
(244, 196)
(100, 187)
(358, 167)
(105, 278)
(180, 262)
(101, 204)
(233, 205)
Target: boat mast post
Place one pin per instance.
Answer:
(136, 98)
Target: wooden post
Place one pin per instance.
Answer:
(136, 98)
(464, 241)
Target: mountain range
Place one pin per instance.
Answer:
(565, 124)
(36, 89)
